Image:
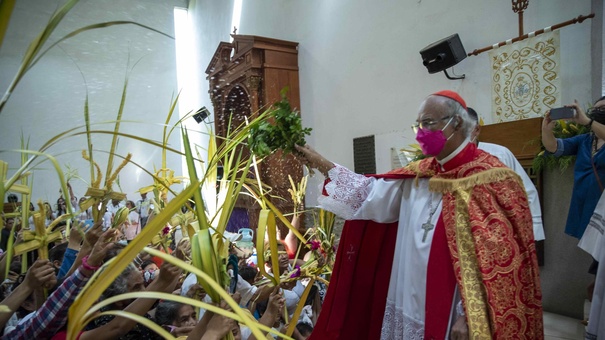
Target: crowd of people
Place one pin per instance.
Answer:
(73, 261)
(443, 248)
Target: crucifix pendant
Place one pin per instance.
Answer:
(427, 227)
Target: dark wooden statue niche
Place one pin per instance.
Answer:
(246, 76)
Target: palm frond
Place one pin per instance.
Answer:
(94, 288)
(35, 46)
(6, 9)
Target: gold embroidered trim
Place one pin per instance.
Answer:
(420, 169)
(485, 177)
(414, 166)
(472, 290)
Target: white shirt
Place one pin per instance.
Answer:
(143, 207)
(593, 242)
(114, 208)
(107, 219)
(190, 280)
(292, 297)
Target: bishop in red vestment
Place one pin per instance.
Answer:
(441, 248)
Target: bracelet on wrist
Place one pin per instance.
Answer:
(87, 266)
(589, 125)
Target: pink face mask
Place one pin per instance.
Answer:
(432, 142)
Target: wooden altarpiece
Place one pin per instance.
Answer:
(246, 76)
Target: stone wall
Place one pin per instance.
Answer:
(564, 275)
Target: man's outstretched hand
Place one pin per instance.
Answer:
(307, 155)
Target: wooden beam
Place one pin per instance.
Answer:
(577, 20)
(521, 23)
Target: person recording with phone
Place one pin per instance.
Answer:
(589, 169)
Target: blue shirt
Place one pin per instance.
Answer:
(68, 260)
(586, 188)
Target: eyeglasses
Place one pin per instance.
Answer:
(428, 124)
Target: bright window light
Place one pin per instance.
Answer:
(184, 59)
(237, 14)
(186, 70)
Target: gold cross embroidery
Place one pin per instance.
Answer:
(350, 252)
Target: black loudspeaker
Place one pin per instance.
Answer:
(201, 114)
(443, 54)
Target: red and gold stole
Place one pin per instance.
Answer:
(489, 233)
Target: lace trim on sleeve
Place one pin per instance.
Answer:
(346, 192)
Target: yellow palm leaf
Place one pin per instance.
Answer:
(180, 299)
(6, 9)
(215, 286)
(299, 308)
(265, 220)
(35, 46)
(95, 288)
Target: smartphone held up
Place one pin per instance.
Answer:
(562, 113)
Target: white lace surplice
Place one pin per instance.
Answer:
(354, 196)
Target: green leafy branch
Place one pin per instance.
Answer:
(285, 131)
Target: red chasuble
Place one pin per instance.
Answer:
(483, 242)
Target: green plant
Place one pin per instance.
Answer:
(229, 155)
(415, 152)
(285, 132)
(544, 160)
(213, 207)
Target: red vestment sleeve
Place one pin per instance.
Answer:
(440, 286)
(323, 189)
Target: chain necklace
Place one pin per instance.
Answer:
(428, 225)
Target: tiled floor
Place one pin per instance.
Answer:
(558, 327)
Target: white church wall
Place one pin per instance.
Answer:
(360, 69)
(597, 43)
(361, 74)
(210, 24)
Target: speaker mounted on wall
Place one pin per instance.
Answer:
(443, 54)
(201, 114)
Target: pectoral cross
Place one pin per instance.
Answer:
(428, 226)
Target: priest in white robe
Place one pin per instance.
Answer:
(593, 242)
(441, 247)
